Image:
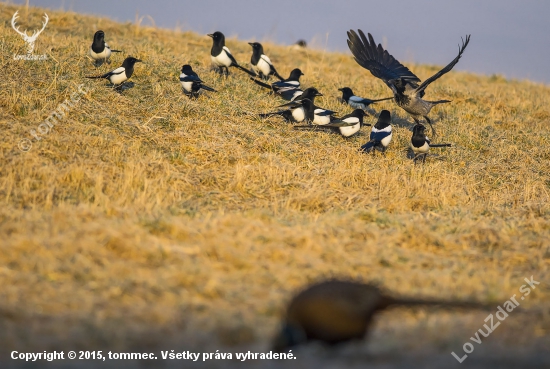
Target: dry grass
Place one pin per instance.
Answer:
(146, 219)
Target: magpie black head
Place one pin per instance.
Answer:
(384, 120)
(418, 130)
(301, 43)
(130, 61)
(310, 93)
(257, 46)
(359, 113)
(295, 75)
(187, 69)
(218, 38)
(99, 36)
(346, 93)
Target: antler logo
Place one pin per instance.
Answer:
(30, 40)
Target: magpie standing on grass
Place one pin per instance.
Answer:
(404, 84)
(348, 126)
(380, 135)
(420, 144)
(121, 74)
(261, 64)
(357, 102)
(100, 51)
(286, 88)
(191, 83)
(221, 56)
(297, 113)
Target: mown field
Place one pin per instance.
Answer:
(148, 221)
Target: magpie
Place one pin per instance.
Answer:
(121, 74)
(321, 116)
(100, 51)
(380, 135)
(338, 311)
(191, 83)
(405, 85)
(261, 64)
(357, 102)
(286, 88)
(221, 56)
(297, 113)
(420, 144)
(348, 126)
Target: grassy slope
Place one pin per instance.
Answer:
(196, 218)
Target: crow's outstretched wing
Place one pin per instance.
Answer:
(377, 60)
(449, 66)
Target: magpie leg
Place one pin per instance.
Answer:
(424, 158)
(431, 125)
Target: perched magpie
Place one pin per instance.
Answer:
(380, 136)
(420, 144)
(297, 113)
(261, 64)
(404, 84)
(348, 126)
(357, 102)
(221, 56)
(100, 51)
(287, 88)
(121, 74)
(191, 83)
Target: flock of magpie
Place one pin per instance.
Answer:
(408, 90)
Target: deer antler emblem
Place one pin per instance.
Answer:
(30, 40)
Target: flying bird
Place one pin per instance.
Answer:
(297, 113)
(338, 311)
(288, 88)
(191, 83)
(406, 86)
(420, 144)
(347, 126)
(222, 57)
(381, 134)
(100, 51)
(261, 64)
(357, 102)
(121, 74)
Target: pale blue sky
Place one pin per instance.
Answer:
(509, 37)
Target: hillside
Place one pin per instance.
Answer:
(146, 220)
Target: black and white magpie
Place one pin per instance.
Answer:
(261, 64)
(287, 88)
(420, 144)
(121, 74)
(100, 51)
(297, 113)
(221, 56)
(347, 126)
(380, 135)
(404, 84)
(357, 102)
(191, 83)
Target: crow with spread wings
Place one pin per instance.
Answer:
(406, 86)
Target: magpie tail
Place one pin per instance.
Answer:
(95, 77)
(265, 85)
(116, 51)
(368, 147)
(244, 70)
(441, 145)
(204, 87)
(384, 99)
(266, 115)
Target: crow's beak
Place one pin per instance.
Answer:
(251, 43)
(210, 35)
(318, 94)
(139, 61)
(340, 89)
